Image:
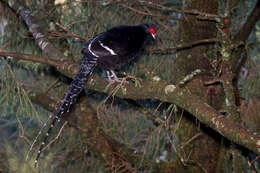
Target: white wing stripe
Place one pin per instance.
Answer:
(107, 48)
(89, 48)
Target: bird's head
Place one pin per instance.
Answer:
(150, 29)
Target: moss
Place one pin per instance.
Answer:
(169, 89)
(156, 78)
(258, 145)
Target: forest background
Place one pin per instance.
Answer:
(192, 102)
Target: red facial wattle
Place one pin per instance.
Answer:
(152, 31)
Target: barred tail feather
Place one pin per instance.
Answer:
(39, 133)
(73, 91)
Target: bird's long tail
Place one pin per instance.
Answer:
(74, 89)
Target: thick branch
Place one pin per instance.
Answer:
(30, 57)
(247, 28)
(183, 98)
(243, 35)
(35, 28)
(186, 100)
(185, 45)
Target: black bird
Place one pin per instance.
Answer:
(108, 50)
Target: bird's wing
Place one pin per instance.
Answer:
(120, 41)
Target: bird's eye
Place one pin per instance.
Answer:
(152, 30)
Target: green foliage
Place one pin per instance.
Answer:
(14, 99)
(133, 129)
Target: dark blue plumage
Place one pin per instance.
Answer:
(76, 86)
(125, 43)
(108, 50)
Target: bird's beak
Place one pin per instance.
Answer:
(154, 36)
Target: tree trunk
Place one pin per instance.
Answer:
(203, 150)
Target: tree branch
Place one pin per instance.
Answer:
(247, 28)
(35, 28)
(31, 57)
(185, 45)
(200, 15)
(243, 35)
(158, 89)
(148, 14)
(185, 99)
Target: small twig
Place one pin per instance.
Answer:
(31, 57)
(191, 139)
(201, 167)
(251, 164)
(172, 141)
(148, 14)
(70, 32)
(116, 89)
(157, 108)
(194, 12)
(213, 81)
(5, 46)
(185, 45)
(51, 86)
(56, 138)
(21, 131)
(258, 157)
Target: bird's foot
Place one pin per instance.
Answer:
(113, 78)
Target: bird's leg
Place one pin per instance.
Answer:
(115, 77)
(112, 77)
(108, 76)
